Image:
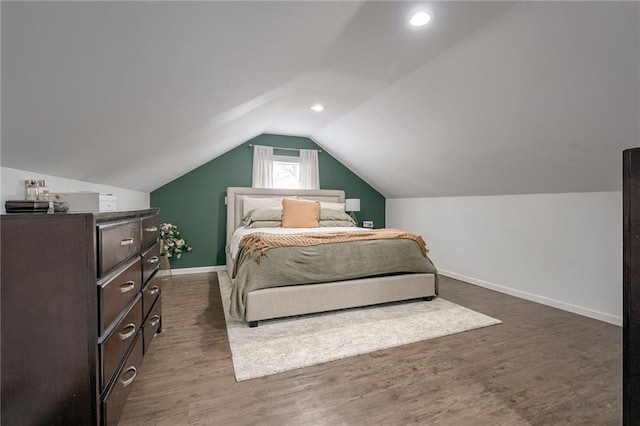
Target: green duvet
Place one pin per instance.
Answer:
(324, 263)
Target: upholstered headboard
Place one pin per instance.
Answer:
(235, 198)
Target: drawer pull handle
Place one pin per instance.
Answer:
(154, 259)
(126, 241)
(125, 336)
(154, 290)
(154, 320)
(151, 229)
(128, 286)
(130, 380)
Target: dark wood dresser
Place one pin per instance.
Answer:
(81, 303)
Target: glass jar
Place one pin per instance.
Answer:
(43, 190)
(32, 189)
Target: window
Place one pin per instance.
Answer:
(286, 172)
(283, 171)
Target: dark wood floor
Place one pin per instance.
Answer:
(542, 366)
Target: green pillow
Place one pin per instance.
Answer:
(330, 214)
(337, 222)
(263, 214)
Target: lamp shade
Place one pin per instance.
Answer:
(352, 204)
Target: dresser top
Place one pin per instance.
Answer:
(99, 216)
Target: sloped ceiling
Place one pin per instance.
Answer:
(489, 98)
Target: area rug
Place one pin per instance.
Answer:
(286, 344)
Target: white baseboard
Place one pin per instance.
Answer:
(198, 270)
(591, 313)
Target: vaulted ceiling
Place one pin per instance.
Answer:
(489, 98)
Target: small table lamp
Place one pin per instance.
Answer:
(352, 205)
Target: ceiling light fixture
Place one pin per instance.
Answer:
(420, 19)
(317, 108)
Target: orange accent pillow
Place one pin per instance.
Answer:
(300, 213)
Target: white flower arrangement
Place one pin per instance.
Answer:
(172, 245)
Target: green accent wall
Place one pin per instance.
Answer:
(195, 201)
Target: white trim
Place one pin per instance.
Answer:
(198, 270)
(591, 313)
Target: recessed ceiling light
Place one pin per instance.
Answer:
(317, 108)
(420, 19)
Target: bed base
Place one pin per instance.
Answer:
(295, 300)
(254, 324)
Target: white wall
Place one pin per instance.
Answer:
(13, 188)
(563, 250)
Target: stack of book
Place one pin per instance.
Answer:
(26, 206)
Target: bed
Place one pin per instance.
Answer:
(336, 292)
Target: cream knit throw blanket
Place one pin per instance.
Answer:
(262, 242)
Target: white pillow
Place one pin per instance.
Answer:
(332, 206)
(252, 203)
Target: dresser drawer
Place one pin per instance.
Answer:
(150, 293)
(114, 401)
(150, 262)
(116, 290)
(153, 324)
(150, 230)
(117, 241)
(114, 347)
